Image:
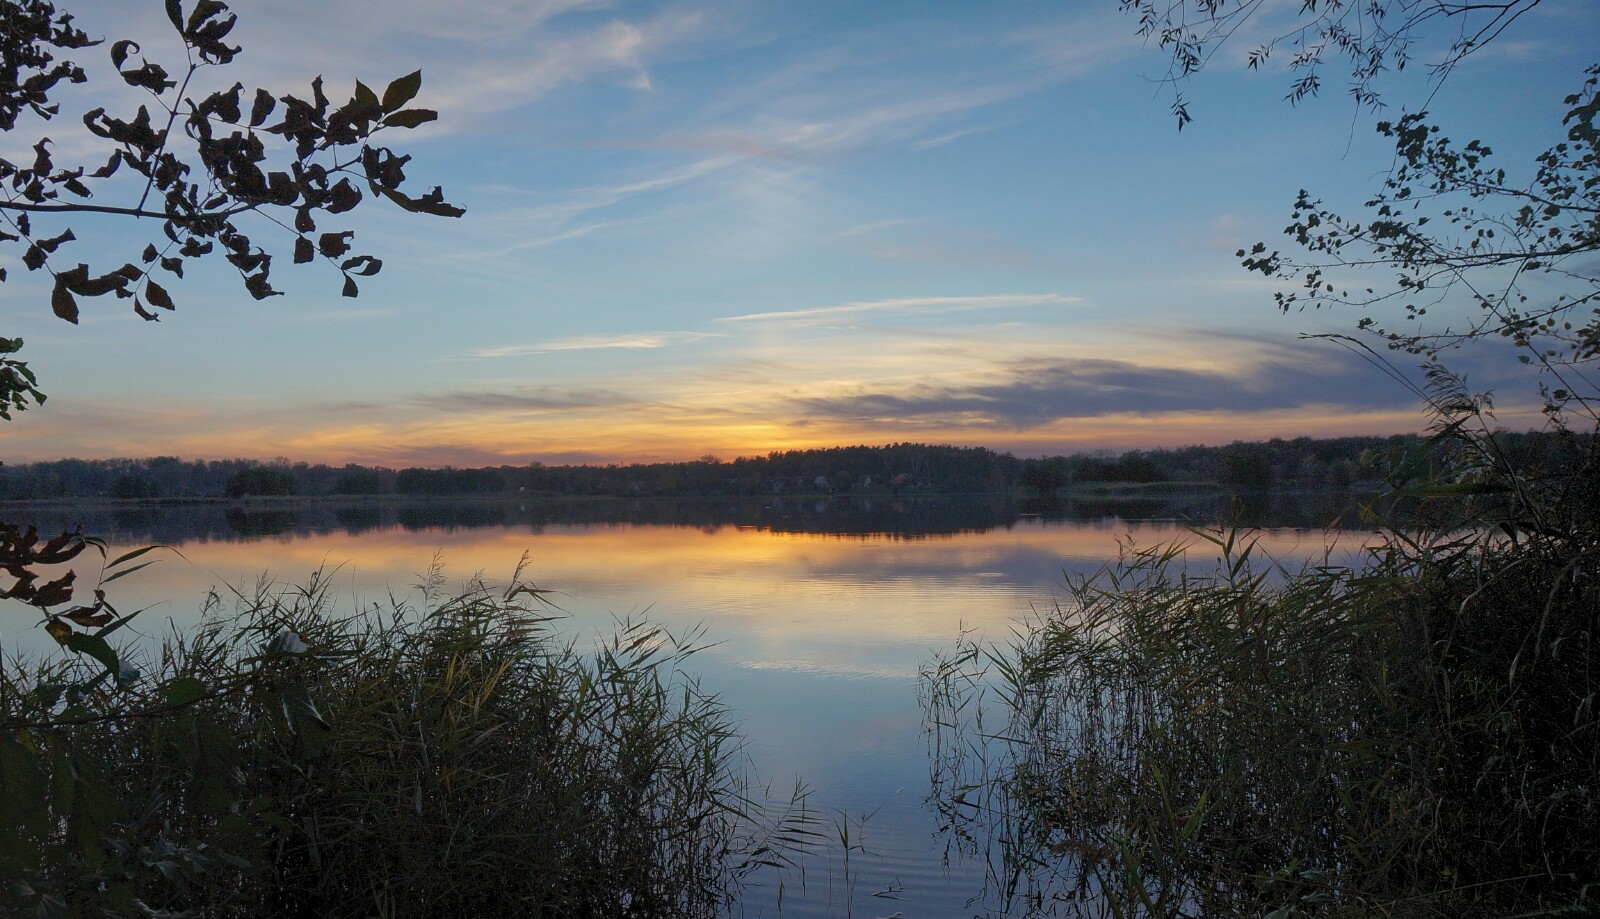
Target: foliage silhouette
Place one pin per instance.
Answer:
(1454, 229)
(201, 167)
(1370, 36)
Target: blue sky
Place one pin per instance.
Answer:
(725, 228)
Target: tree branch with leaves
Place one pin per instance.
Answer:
(210, 170)
(1370, 37)
(1454, 229)
(187, 176)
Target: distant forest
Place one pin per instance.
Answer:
(1332, 463)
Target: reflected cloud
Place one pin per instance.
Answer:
(847, 612)
(831, 669)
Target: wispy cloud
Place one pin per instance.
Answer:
(909, 304)
(542, 398)
(917, 146)
(586, 200)
(913, 87)
(760, 146)
(496, 82)
(635, 341)
(480, 59)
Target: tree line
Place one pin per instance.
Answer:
(1302, 462)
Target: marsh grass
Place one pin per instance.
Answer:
(1414, 736)
(451, 757)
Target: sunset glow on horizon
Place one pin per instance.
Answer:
(710, 227)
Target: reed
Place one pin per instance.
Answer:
(448, 757)
(1412, 736)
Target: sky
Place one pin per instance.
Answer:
(717, 227)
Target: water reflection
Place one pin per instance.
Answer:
(180, 521)
(822, 615)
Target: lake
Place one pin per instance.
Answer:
(819, 612)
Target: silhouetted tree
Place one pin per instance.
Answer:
(260, 480)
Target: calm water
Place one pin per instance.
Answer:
(821, 611)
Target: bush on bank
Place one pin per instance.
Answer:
(449, 760)
(1416, 735)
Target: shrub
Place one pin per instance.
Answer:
(452, 760)
(1413, 736)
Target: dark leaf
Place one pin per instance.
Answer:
(157, 295)
(58, 630)
(350, 289)
(208, 40)
(304, 251)
(283, 190)
(410, 118)
(121, 50)
(144, 314)
(224, 104)
(333, 245)
(62, 548)
(174, 265)
(63, 304)
(320, 98)
(110, 167)
(259, 288)
(401, 91)
(54, 242)
(151, 76)
(262, 108)
(343, 197)
(96, 647)
(91, 617)
(54, 592)
(204, 10)
(364, 265)
(364, 94)
(175, 13)
(41, 160)
(151, 253)
(433, 203)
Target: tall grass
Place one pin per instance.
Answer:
(1413, 736)
(448, 758)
